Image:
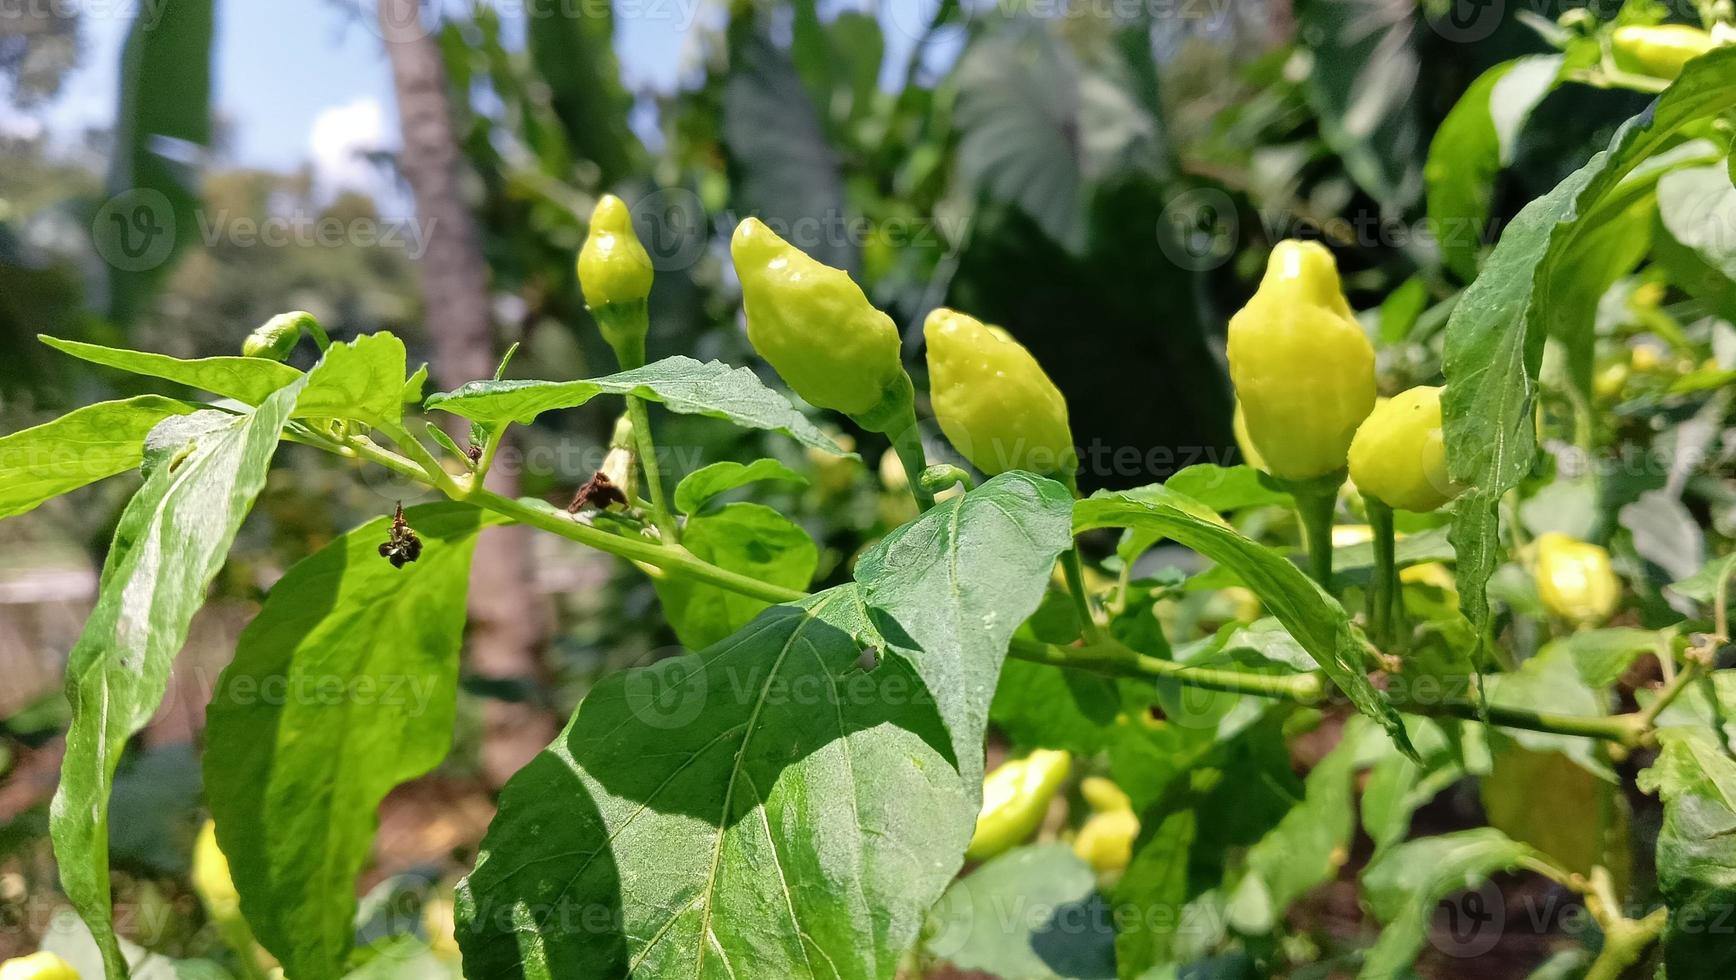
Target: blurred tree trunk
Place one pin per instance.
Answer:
(508, 624)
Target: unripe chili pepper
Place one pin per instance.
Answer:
(993, 400)
(210, 877)
(38, 966)
(276, 338)
(1015, 797)
(1575, 579)
(1660, 51)
(615, 276)
(813, 324)
(1398, 455)
(1250, 455)
(1105, 840)
(1302, 367)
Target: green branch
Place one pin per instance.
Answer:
(1103, 657)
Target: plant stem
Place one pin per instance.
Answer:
(646, 449)
(1385, 598)
(1316, 500)
(1624, 942)
(907, 443)
(1075, 573)
(669, 557)
(1670, 691)
(1104, 656)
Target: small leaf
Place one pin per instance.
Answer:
(1228, 488)
(1317, 622)
(245, 379)
(1063, 934)
(748, 538)
(341, 688)
(1696, 857)
(696, 489)
(1404, 884)
(79, 448)
(1703, 584)
(682, 384)
(361, 380)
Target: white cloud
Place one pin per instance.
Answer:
(338, 143)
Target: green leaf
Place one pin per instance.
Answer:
(245, 379)
(1697, 206)
(728, 811)
(79, 448)
(1601, 656)
(748, 538)
(342, 687)
(1397, 787)
(1696, 856)
(682, 384)
(170, 543)
(570, 52)
(1495, 337)
(1555, 680)
(1062, 933)
(1317, 622)
(933, 596)
(1228, 488)
(362, 380)
(1473, 144)
(1703, 584)
(696, 489)
(1404, 884)
(1041, 706)
(1411, 549)
(1548, 801)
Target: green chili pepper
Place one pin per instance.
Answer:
(1661, 51)
(615, 276)
(1398, 455)
(813, 324)
(993, 400)
(1015, 797)
(1303, 368)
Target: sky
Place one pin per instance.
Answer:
(302, 80)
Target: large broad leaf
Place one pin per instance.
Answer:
(169, 545)
(682, 384)
(1317, 622)
(1494, 341)
(1696, 853)
(1033, 912)
(79, 448)
(1471, 147)
(1035, 127)
(1363, 86)
(203, 473)
(1406, 882)
(161, 125)
(937, 605)
(728, 813)
(341, 688)
(245, 379)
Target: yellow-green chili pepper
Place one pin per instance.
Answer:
(1015, 797)
(1575, 579)
(38, 966)
(1250, 455)
(615, 276)
(993, 400)
(274, 339)
(210, 876)
(813, 324)
(1105, 840)
(1303, 368)
(1398, 456)
(1660, 51)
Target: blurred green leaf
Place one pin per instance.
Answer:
(1363, 84)
(1404, 884)
(970, 928)
(570, 49)
(748, 538)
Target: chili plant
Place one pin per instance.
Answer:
(797, 796)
